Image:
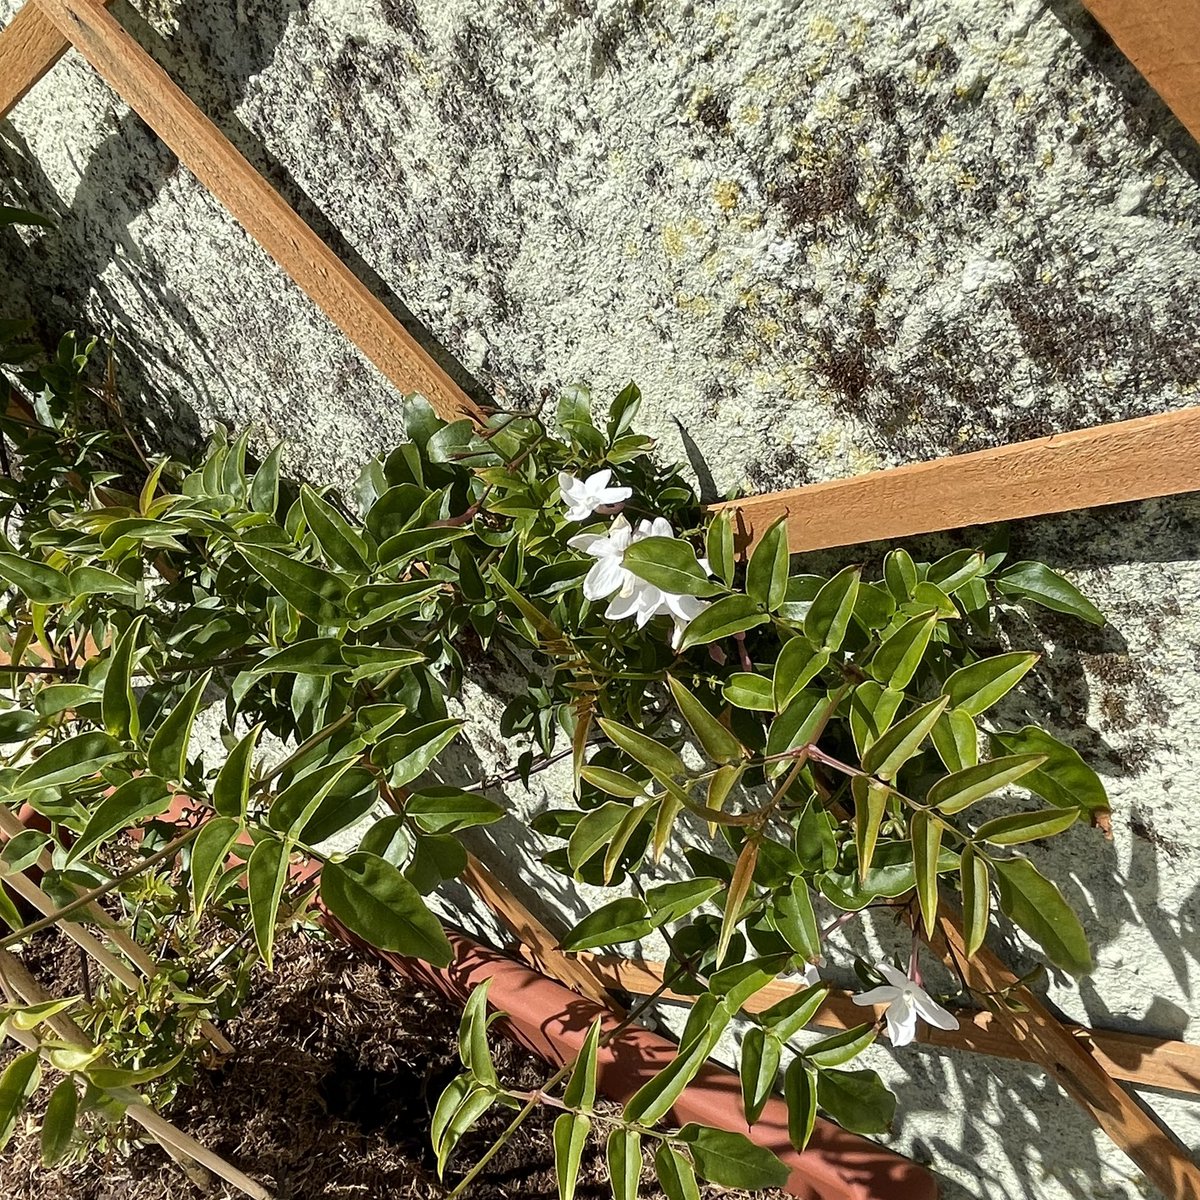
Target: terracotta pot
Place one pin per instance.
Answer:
(552, 1021)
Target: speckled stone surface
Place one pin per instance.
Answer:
(822, 237)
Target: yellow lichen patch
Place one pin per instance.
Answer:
(749, 114)
(822, 29)
(726, 193)
(967, 182)
(672, 240)
(861, 461)
(633, 248)
(748, 222)
(696, 306)
(768, 329)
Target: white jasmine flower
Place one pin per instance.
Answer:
(608, 575)
(583, 496)
(906, 1001)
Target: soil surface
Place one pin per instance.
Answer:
(338, 1065)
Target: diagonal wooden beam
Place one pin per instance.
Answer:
(267, 217)
(1110, 464)
(1162, 39)
(30, 45)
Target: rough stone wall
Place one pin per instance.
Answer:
(822, 237)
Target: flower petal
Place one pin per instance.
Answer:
(598, 480)
(901, 1021)
(894, 977)
(603, 579)
(586, 542)
(932, 1012)
(879, 995)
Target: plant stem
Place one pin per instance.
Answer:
(168, 851)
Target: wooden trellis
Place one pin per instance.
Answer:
(1132, 460)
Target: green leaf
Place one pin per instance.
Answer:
(55, 698)
(1016, 828)
(376, 601)
(264, 487)
(1038, 907)
(976, 688)
(870, 805)
(800, 1092)
(296, 805)
(374, 900)
(890, 752)
(210, 852)
(926, 831)
(746, 690)
(956, 570)
(718, 546)
(652, 754)
(169, 746)
(313, 656)
(670, 901)
(1064, 779)
(670, 564)
(142, 796)
(957, 791)
(956, 739)
(33, 1015)
(17, 1084)
(594, 830)
(406, 755)
(792, 915)
(623, 920)
(343, 546)
(759, 1070)
(1035, 581)
(22, 851)
(722, 618)
(856, 1100)
(35, 580)
(675, 1174)
(897, 659)
(231, 790)
(872, 711)
(718, 743)
(795, 727)
(472, 1107)
(472, 1036)
(449, 809)
(796, 667)
(312, 592)
(840, 1047)
(370, 661)
(77, 758)
(581, 1088)
(615, 783)
(59, 1122)
(570, 1138)
(16, 725)
(732, 1159)
(767, 571)
(624, 1157)
(786, 1018)
(266, 873)
(117, 704)
(92, 581)
(976, 898)
(828, 619)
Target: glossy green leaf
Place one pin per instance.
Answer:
(1037, 582)
(623, 920)
(169, 746)
(615, 783)
(66, 762)
(957, 791)
(311, 591)
(796, 667)
(138, 798)
(22, 851)
(890, 752)
(732, 1160)
(767, 570)
(793, 916)
(718, 546)
(900, 573)
(406, 755)
(342, 545)
(670, 901)
(897, 659)
(718, 743)
(623, 1154)
(787, 1017)
(956, 739)
(1064, 779)
(1016, 828)
(374, 900)
(210, 852)
(759, 1070)
(675, 1174)
(652, 754)
(35, 580)
(926, 831)
(870, 805)
(840, 1047)
(231, 790)
(449, 809)
(828, 619)
(723, 618)
(746, 690)
(117, 702)
(1038, 907)
(473, 1046)
(974, 879)
(17, 1084)
(800, 1093)
(570, 1139)
(670, 564)
(976, 688)
(266, 874)
(581, 1087)
(292, 809)
(58, 1125)
(856, 1100)
(93, 581)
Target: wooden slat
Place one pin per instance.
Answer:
(213, 159)
(1162, 39)
(29, 46)
(1134, 1057)
(1110, 464)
